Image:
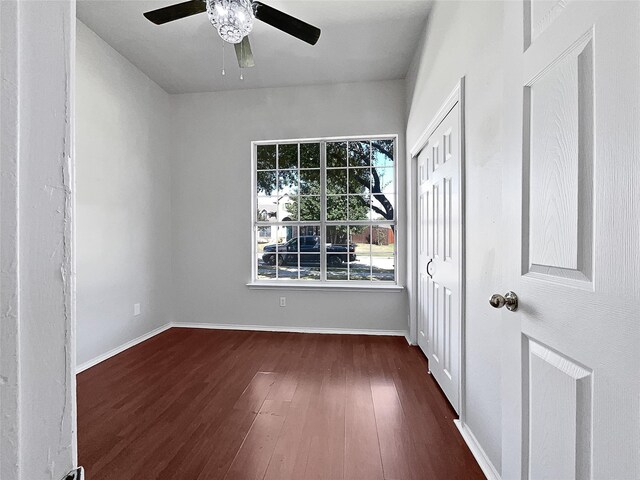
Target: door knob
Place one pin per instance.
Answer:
(510, 299)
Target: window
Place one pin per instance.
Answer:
(325, 211)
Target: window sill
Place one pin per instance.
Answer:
(324, 286)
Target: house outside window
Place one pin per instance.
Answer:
(325, 211)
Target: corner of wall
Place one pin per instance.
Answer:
(124, 199)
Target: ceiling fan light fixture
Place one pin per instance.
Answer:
(232, 18)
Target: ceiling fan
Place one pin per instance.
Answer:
(233, 19)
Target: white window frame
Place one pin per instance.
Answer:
(323, 283)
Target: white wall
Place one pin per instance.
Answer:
(37, 381)
(465, 39)
(211, 191)
(123, 199)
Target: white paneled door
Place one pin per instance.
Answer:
(571, 367)
(439, 236)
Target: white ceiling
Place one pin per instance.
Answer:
(362, 40)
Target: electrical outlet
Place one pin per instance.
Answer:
(283, 301)
(136, 309)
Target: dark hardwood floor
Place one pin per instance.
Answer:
(206, 404)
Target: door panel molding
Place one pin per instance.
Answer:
(559, 388)
(538, 16)
(558, 156)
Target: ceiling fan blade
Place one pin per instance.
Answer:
(176, 12)
(244, 54)
(286, 23)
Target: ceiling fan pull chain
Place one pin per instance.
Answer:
(223, 72)
(242, 55)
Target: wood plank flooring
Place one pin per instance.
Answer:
(204, 404)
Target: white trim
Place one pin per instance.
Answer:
(10, 402)
(232, 326)
(478, 452)
(360, 287)
(122, 348)
(452, 99)
(455, 97)
(290, 329)
(462, 396)
(411, 245)
(324, 139)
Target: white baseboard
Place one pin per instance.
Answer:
(220, 326)
(481, 457)
(265, 328)
(101, 358)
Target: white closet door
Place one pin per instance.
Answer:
(439, 252)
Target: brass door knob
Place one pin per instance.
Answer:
(510, 299)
